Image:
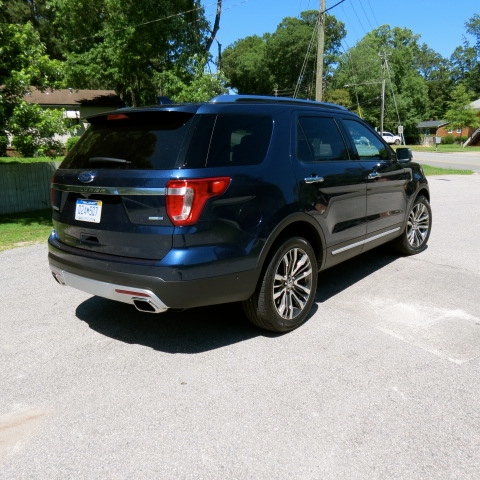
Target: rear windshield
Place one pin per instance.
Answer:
(137, 141)
(170, 140)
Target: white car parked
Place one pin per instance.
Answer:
(391, 138)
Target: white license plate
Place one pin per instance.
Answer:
(88, 211)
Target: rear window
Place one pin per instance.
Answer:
(167, 140)
(147, 140)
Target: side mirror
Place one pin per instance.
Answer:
(404, 154)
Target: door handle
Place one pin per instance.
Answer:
(314, 179)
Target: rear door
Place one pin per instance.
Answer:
(331, 185)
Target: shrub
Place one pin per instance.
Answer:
(71, 142)
(33, 130)
(448, 140)
(3, 145)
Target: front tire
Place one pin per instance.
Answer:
(417, 232)
(286, 292)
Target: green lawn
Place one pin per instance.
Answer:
(429, 171)
(21, 229)
(29, 160)
(444, 149)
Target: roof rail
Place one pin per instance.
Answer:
(271, 99)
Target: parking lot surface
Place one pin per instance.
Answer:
(380, 383)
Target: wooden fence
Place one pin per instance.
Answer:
(25, 187)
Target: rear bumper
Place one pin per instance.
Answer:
(142, 299)
(161, 287)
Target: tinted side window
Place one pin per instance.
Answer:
(319, 139)
(239, 140)
(367, 144)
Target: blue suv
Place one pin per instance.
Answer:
(240, 199)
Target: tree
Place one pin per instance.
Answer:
(293, 46)
(125, 45)
(191, 85)
(23, 64)
(215, 28)
(436, 72)
(244, 65)
(465, 60)
(459, 114)
(391, 54)
(41, 14)
(273, 63)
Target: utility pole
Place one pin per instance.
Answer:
(382, 113)
(320, 51)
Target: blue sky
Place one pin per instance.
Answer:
(440, 23)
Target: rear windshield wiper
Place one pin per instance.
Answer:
(108, 160)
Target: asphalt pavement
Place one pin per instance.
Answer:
(466, 160)
(381, 382)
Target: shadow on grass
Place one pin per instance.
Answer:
(37, 217)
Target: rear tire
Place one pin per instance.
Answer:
(286, 292)
(419, 224)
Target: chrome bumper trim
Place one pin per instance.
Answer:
(119, 293)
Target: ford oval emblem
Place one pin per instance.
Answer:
(86, 177)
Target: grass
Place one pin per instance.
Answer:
(444, 149)
(429, 171)
(26, 160)
(22, 229)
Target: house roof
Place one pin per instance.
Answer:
(476, 104)
(432, 124)
(69, 97)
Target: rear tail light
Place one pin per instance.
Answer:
(186, 198)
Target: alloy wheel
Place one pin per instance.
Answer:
(292, 285)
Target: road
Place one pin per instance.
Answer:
(381, 383)
(460, 160)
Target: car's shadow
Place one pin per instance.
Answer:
(189, 331)
(202, 329)
(339, 278)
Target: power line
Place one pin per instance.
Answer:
(368, 20)
(168, 17)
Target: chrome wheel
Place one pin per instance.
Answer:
(286, 291)
(418, 225)
(292, 285)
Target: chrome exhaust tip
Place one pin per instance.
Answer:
(146, 306)
(58, 277)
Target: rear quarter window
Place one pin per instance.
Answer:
(230, 140)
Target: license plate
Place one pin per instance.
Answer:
(88, 211)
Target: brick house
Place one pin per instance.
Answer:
(440, 128)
